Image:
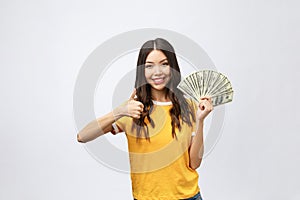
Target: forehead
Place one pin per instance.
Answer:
(156, 56)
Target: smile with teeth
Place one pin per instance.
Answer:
(158, 81)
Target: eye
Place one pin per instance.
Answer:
(165, 64)
(148, 66)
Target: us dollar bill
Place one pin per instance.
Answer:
(221, 99)
(207, 83)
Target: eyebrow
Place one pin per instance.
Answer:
(159, 61)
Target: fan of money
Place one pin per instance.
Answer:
(207, 83)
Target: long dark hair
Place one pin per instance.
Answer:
(181, 110)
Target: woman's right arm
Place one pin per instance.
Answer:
(99, 126)
(102, 125)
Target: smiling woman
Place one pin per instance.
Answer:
(158, 122)
(157, 72)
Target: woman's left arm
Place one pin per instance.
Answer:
(197, 146)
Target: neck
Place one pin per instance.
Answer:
(159, 95)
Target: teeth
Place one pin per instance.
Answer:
(158, 80)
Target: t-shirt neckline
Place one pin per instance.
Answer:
(160, 103)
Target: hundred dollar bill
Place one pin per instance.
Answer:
(221, 99)
(207, 83)
(209, 72)
(221, 81)
(213, 78)
(224, 86)
(189, 93)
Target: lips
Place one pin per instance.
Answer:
(158, 81)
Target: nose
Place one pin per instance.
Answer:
(157, 70)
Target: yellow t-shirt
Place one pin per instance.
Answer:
(160, 168)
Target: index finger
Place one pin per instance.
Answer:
(141, 105)
(205, 98)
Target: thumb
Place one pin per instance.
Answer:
(133, 94)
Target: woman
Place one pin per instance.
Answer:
(163, 129)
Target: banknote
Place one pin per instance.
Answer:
(207, 83)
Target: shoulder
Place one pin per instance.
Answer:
(191, 103)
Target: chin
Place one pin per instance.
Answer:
(159, 88)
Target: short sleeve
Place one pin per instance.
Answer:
(194, 108)
(122, 125)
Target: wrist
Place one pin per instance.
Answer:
(118, 113)
(200, 122)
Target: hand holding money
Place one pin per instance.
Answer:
(207, 83)
(204, 108)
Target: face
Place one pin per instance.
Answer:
(157, 70)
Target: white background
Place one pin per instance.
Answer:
(44, 43)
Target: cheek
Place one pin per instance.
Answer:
(147, 74)
(167, 71)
